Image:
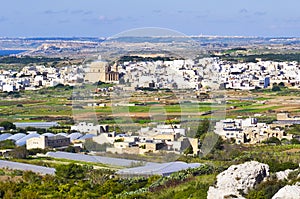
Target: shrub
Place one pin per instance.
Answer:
(276, 88)
(272, 140)
(7, 125)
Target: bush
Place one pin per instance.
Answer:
(7, 144)
(70, 172)
(276, 166)
(272, 140)
(2, 173)
(35, 151)
(8, 125)
(265, 189)
(276, 88)
(19, 153)
(295, 141)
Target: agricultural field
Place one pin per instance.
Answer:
(53, 103)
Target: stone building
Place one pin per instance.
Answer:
(43, 142)
(101, 71)
(247, 130)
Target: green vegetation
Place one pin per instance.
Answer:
(7, 125)
(203, 128)
(76, 181)
(294, 129)
(27, 60)
(19, 152)
(70, 172)
(139, 59)
(7, 144)
(264, 57)
(272, 140)
(265, 190)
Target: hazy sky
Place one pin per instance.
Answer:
(109, 17)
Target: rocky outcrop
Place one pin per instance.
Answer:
(288, 192)
(238, 179)
(283, 175)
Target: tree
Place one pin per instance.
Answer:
(38, 130)
(19, 152)
(272, 140)
(188, 150)
(219, 144)
(8, 125)
(202, 128)
(7, 144)
(295, 141)
(276, 88)
(281, 84)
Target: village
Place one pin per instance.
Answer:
(205, 73)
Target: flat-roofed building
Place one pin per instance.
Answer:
(43, 142)
(84, 127)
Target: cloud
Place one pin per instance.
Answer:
(244, 10)
(52, 12)
(248, 13)
(156, 11)
(292, 20)
(3, 19)
(202, 16)
(259, 13)
(63, 21)
(103, 19)
(83, 12)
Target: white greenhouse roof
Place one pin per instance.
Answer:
(86, 136)
(22, 141)
(163, 169)
(26, 167)
(16, 137)
(48, 134)
(91, 158)
(4, 136)
(74, 136)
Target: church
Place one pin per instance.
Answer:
(101, 71)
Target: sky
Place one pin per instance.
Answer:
(105, 18)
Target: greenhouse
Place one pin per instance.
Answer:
(163, 169)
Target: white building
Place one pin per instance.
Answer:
(247, 130)
(84, 127)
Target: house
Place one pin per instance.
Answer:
(286, 119)
(247, 130)
(105, 138)
(84, 127)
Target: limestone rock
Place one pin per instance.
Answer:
(283, 175)
(288, 192)
(238, 179)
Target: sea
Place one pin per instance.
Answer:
(10, 52)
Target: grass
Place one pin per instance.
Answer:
(53, 162)
(256, 110)
(196, 187)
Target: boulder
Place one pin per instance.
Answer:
(238, 180)
(283, 175)
(288, 192)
